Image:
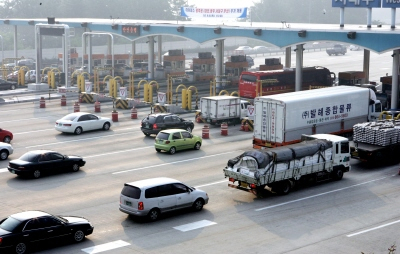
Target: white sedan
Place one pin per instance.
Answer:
(79, 122)
(5, 150)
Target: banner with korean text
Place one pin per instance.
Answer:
(192, 12)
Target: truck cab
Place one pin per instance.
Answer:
(244, 108)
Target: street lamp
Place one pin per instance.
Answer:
(2, 51)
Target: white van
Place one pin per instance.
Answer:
(154, 196)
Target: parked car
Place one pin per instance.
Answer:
(354, 47)
(260, 49)
(5, 150)
(13, 76)
(5, 85)
(250, 61)
(336, 50)
(245, 49)
(154, 123)
(154, 196)
(79, 122)
(30, 76)
(6, 136)
(20, 230)
(38, 162)
(176, 140)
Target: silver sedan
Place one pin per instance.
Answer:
(79, 122)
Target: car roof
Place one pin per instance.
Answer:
(152, 182)
(172, 130)
(42, 151)
(161, 114)
(79, 113)
(28, 215)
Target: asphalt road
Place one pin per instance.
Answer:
(358, 213)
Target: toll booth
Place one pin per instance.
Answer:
(74, 58)
(204, 67)
(98, 60)
(234, 67)
(271, 64)
(174, 63)
(350, 78)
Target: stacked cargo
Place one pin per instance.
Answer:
(381, 133)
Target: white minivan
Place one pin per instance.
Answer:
(154, 196)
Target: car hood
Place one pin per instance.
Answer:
(4, 232)
(75, 157)
(75, 220)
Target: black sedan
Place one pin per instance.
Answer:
(20, 230)
(154, 123)
(5, 85)
(38, 162)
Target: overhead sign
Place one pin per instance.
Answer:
(53, 31)
(192, 12)
(357, 3)
(130, 30)
(391, 4)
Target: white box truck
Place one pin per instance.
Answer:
(219, 109)
(281, 119)
(319, 157)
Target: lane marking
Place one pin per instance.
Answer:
(2, 170)
(195, 225)
(19, 120)
(208, 184)
(28, 132)
(106, 247)
(121, 151)
(169, 163)
(321, 194)
(378, 227)
(76, 140)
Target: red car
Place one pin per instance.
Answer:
(5, 136)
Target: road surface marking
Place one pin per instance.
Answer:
(378, 227)
(174, 162)
(2, 170)
(195, 225)
(19, 120)
(122, 151)
(208, 184)
(106, 247)
(321, 194)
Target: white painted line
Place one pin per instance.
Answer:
(19, 120)
(106, 247)
(174, 162)
(121, 151)
(76, 140)
(28, 132)
(367, 230)
(313, 196)
(2, 170)
(208, 184)
(195, 225)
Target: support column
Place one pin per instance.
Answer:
(366, 65)
(299, 67)
(393, 20)
(159, 47)
(150, 58)
(133, 50)
(90, 53)
(341, 16)
(219, 60)
(288, 57)
(395, 80)
(15, 43)
(369, 17)
(38, 46)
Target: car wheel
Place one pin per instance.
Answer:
(197, 146)
(198, 204)
(189, 129)
(158, 150)
(146, 134)
(36, 173)
(106, 126)
(153, 214)
(7, 139)
(172, 150)
(3, 154)
(79, 236)
(78, 131)
(75, 167)
(21, 248)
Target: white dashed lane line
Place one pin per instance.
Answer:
(195, 225)
(106, 247)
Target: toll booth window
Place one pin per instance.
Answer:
(345, 147)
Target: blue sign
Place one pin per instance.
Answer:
(391, 4)
(359, 3)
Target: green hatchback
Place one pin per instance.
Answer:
(173, 140)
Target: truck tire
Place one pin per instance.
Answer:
(282, 188)
(337, 174)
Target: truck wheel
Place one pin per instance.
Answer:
(337, 174)
(282, 188)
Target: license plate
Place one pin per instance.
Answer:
(128, 203)
(60, 124)
(13, 171)
(160, 141)
(244, 185)
(147, 125)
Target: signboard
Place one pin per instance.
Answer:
(235, 13)
(391, 4)
(88, 87)
(161, 98)
(250, 112)
(130, 30)
(357, 3)
(53, 31)
(62, 90)
(122, 93)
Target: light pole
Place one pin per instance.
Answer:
(2, 51)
